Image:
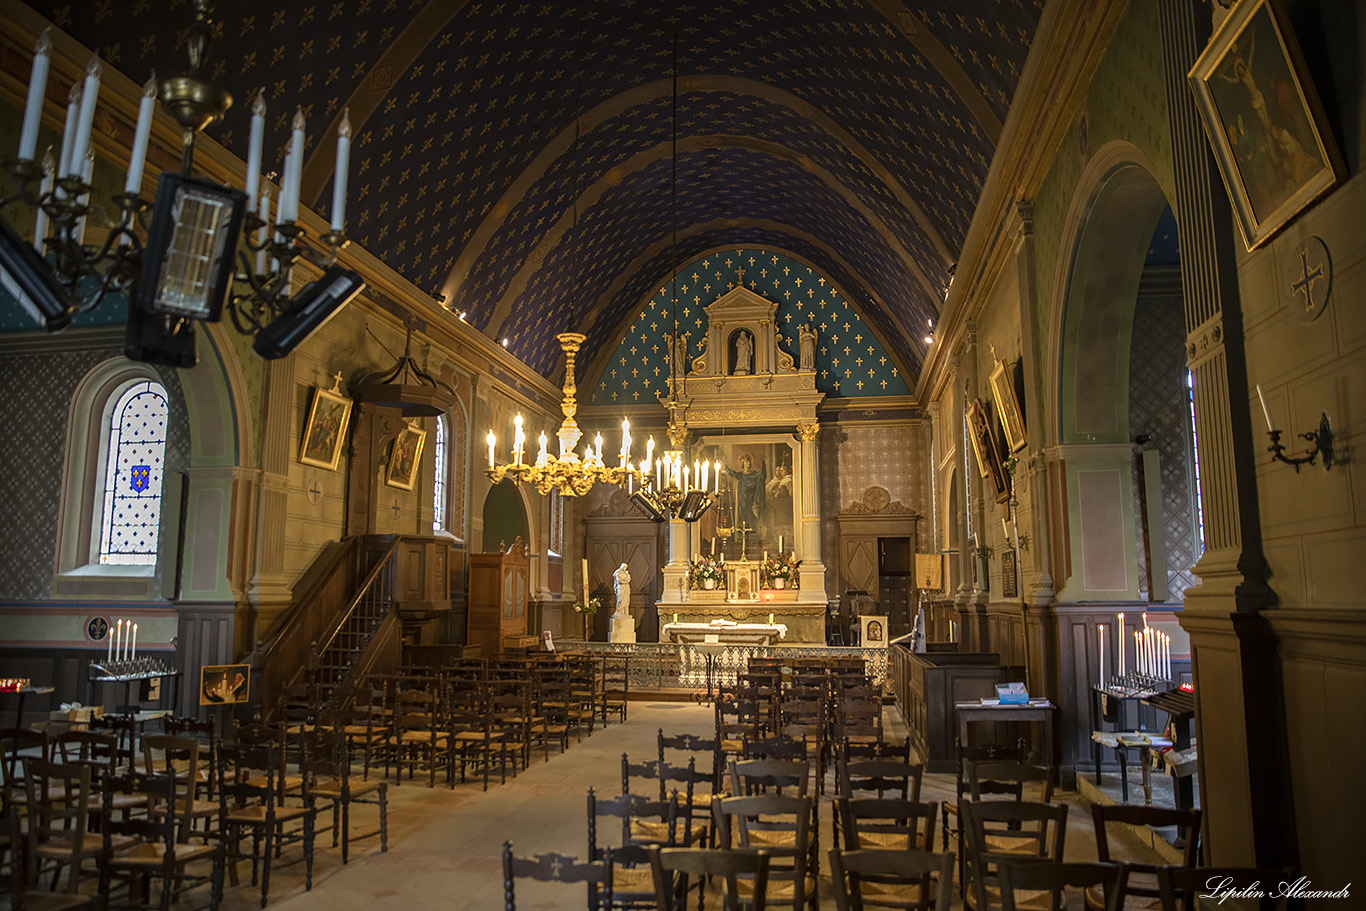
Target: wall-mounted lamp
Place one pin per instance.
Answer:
(1321, 438)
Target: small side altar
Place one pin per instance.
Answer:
(804, 622)
(725, 631)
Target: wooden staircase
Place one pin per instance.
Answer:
(345, 627)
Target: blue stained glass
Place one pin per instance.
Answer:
(439, 488)
(134, 464)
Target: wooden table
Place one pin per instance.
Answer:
(1036, 710)
(23, 693)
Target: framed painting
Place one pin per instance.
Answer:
(224, 684)
(757, 496)
(1002, 381)
(404, 457)
(325, 429)
(873, 631)
(984, 448)
(1263, 119)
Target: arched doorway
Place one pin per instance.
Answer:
(505, 517)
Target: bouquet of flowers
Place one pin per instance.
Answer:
(590, 608)
(778, 566)
(706, 569)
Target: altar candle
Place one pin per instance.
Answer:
(1102, 654)
(780, 543)
(1138, 652)
(109, 650)
(770, 618)
(491, 440)
(37, 90)
(585, 581)
(118, 634)
(133, 643)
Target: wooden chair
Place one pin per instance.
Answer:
(23, 874)
(757, 776)
(15, 744)
(417, 738)
(205, 730)
(510, 717)
(1042, 884)
(693, 808)
(327, 770)
(890, 823)
(1186, 822)
(786, 828)
(140, 850)
(704, 749)
(251, 802)
(909, 879)
(60, 837)
(895, 750)
(671, 868)
(1000, 831)
(178, 758)
(614, 678)
(560, 868)
(100, 753)
(875, 778)
(642, 822)
(473, 741)
(1179, 886)
(551, 713)
(125, 730)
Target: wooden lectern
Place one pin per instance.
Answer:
(498, 593)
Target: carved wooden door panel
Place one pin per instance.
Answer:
(858, 568)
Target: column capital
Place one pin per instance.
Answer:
(807, 433)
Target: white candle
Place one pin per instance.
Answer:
(1138, 652)
(685, 478)
(518, 440)
(258, 134)
(109, 646)
(339, 178)
(625, 441)
(1266, 412)
(133, 643)
(585, 582)
(40, 220)
(1122, 649)
(90, 94)
(289, 192)
(719, 468)
(263, 233)
(73, 115)
(703, 484)
(780, 543)
(137, 159)
(491, 440)
(1101, 631)
(542, 456)
(118, 634)
(597, 445)
(37, 91)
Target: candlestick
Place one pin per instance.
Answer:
(133, 643)
(118, 635)
(339, 179)
(585, 583)
(137, 159)
(109, 646)
(263, 232)
(1266, 412)
(1101, 662)
(37, 90)
(73, 114)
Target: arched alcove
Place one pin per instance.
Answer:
(505, 517)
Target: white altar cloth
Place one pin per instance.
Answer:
(724, 631)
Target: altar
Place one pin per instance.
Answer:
(723, 631)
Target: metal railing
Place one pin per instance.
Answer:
(656, 665)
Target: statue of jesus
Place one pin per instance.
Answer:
(621, 584)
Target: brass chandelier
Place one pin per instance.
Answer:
(570, 475)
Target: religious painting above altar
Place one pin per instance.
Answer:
(755, 510)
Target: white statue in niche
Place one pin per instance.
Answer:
(807, 339)
(744, 353)
(621, 584)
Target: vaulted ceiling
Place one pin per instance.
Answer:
(854, 136)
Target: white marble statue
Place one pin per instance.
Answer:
(807, 344)
(621, 584)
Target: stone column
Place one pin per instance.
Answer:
(972, 600)
(269, 585)
(813, 568)
(1244, 779)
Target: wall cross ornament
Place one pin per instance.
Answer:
(1311, 278)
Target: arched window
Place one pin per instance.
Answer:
(439, 487)
(134, 461)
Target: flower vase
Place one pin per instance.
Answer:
(709, 584)
(780, 583)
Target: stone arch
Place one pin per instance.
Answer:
(1115, 208)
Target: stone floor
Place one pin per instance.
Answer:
(445, 845)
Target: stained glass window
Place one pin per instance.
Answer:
(134, 463)
(439, 488)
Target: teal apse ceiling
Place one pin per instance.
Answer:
(850, 362)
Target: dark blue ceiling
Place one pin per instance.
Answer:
(852, 135)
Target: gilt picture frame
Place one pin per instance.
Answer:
(1264, 120)
(1002, 382)
(405, 455)
(984, 449)
(325, 429)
